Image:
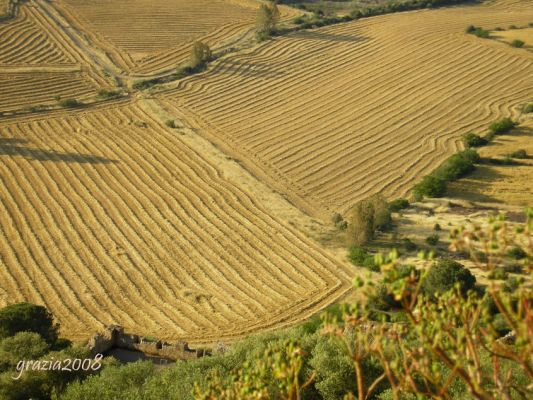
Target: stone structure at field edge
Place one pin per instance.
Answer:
(114, 337)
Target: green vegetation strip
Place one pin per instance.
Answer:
(459, 164)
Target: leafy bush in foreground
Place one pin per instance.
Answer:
(448, 344)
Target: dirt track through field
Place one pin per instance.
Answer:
(108, 217)
(342, 112)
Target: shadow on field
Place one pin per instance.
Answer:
(15, 147)
(474, 187)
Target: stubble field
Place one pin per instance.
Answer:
(110, 216)
(342, 112)
(107, 216)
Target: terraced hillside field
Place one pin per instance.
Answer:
(336, 114)
(38, 62)
(147, 35)
(30, 89)
(109, 217)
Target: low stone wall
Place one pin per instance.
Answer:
(114, 337)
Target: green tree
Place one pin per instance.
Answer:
(267, 19)
(444, 275)
(26, 317)
(200, 54)
(367, 216)
(22, 346)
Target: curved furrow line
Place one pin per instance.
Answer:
(288, 91)
(192, 243)
(405, 145)
(429, 159)
(241, 195)
(370, 103)
(396, 117)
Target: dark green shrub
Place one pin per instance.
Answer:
(69, 103)
(408, 245)
(477, 31)
(512, 27)
(109, 94)
(337, 218)
(357, 255)
(517, 253)
(457, 166)
(503, 125)
(430, 186)
(521, 153)
(498, 274)
(433, 240)
(26, 317)
(444, 274)
(437, 227)
(398, 204)
(472, 140)
(170, 123)
(517, 43)
(528, 108)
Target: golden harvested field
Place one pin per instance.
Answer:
(108, 216)
(21, 90)
(25, 41)
(147, 36)
(205, 232)
(38, 62)
(336, 114)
